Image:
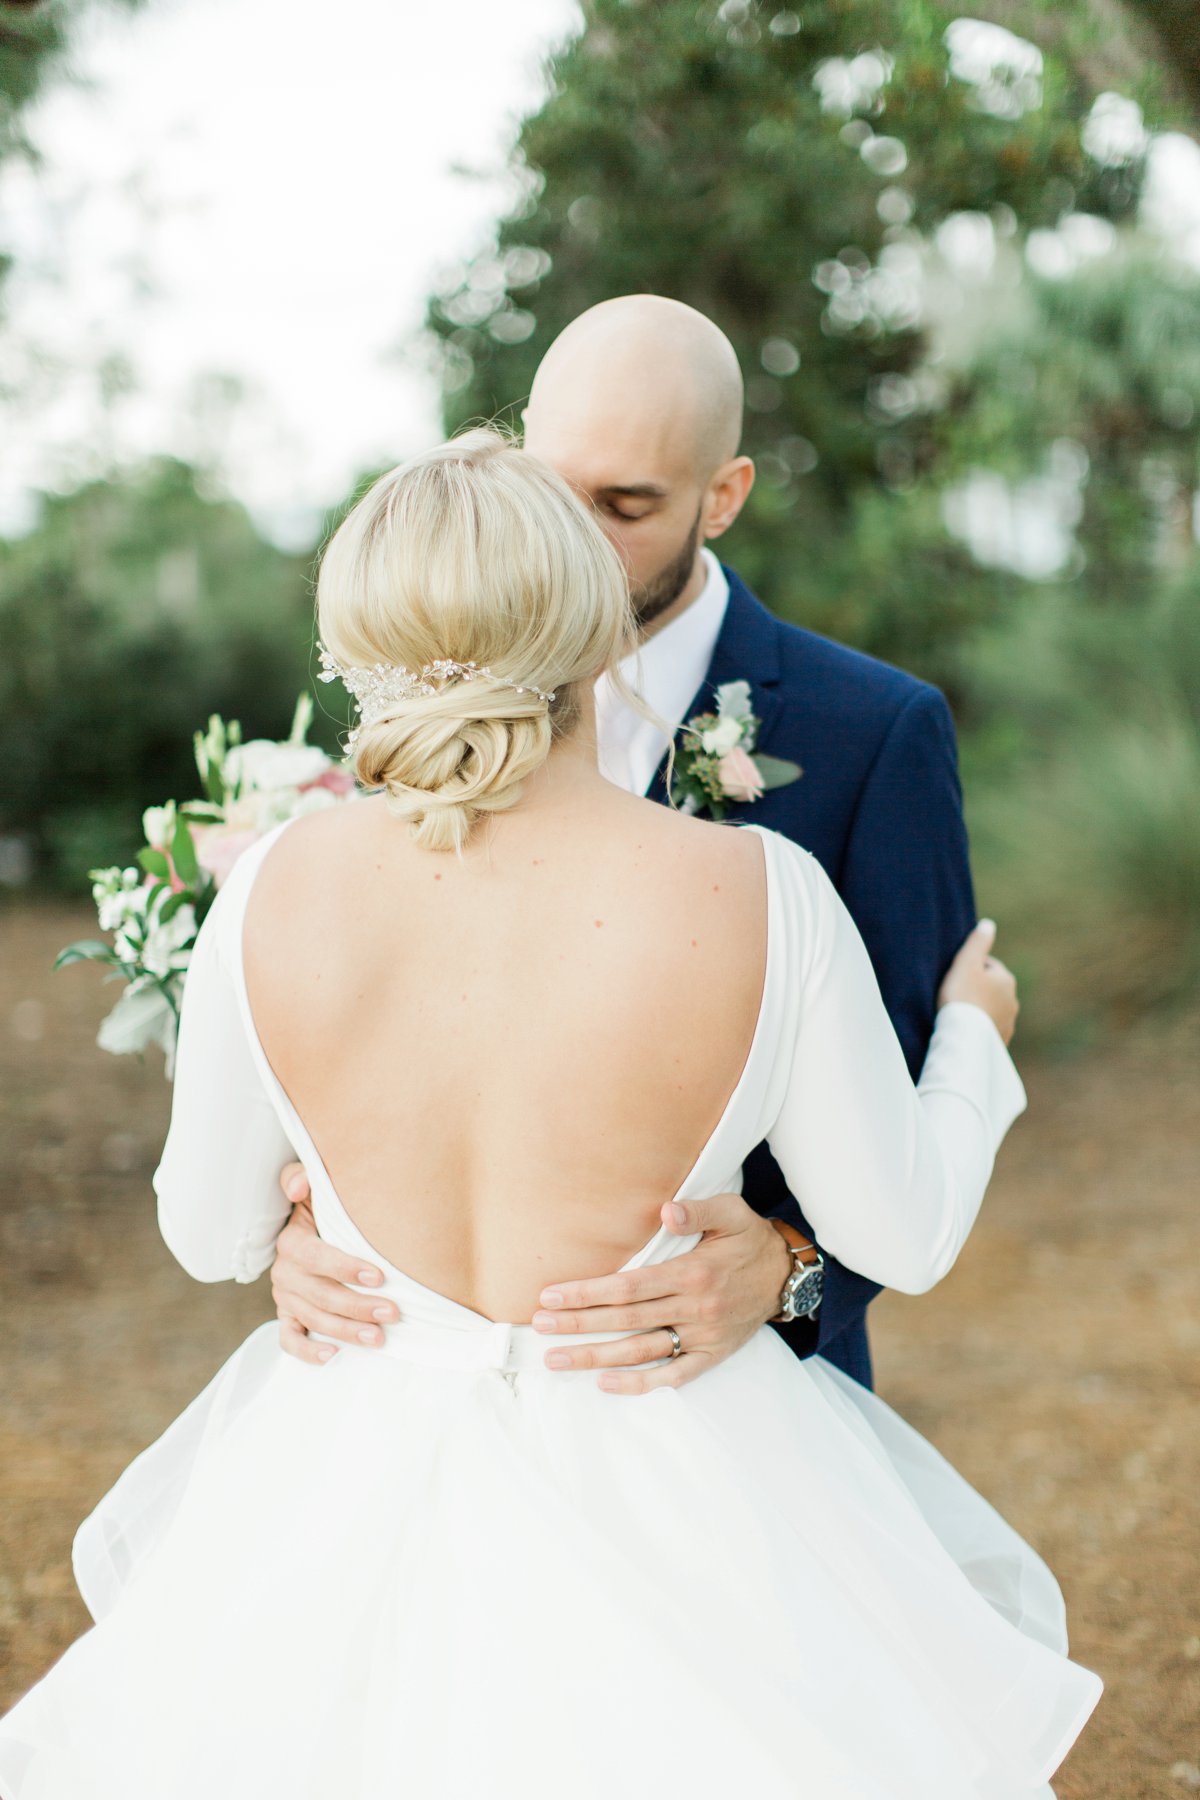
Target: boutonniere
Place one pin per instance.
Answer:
(715, 759)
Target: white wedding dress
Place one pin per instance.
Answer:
(440, 1572)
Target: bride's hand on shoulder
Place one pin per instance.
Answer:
(310, 1284)
(982, 980)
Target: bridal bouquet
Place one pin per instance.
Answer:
(154, 911)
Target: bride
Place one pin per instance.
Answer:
(537, 992)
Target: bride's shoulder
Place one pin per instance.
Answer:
(314, 836)
(701, 852)
(309, 857)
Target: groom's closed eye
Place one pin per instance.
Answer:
(633, 502)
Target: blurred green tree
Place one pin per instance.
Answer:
(135, 607)
(1083, 761)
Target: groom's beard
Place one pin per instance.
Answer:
(652, 598)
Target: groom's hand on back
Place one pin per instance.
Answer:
(310, 1284)
(714, 1297)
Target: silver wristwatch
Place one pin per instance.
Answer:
(804, 1286)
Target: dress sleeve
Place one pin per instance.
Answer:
(890, 1177)
(220, 1207)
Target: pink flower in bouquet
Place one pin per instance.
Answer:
(337, 780)
(739, 776)
(219, 846)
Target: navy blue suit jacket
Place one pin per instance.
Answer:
(880, 807)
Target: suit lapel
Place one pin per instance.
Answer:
(747, 649)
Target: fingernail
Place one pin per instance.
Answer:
(369, 1277)
(368, 1335)
(552, 1297)
(325, 1352)
(557, 1359)
(678, 1216)
(986, 925)
(544, 1322)
(609, 1383)
(296, 1187)
(381, 1312)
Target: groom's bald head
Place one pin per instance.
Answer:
(638, 403)
(659, 367)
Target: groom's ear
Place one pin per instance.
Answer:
(725, 496)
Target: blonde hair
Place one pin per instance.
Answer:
(475, 552)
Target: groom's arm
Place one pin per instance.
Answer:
(906, 880)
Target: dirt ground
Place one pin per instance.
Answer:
(1057, 1367)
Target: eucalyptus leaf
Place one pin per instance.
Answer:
(776, 771)
(155, 863)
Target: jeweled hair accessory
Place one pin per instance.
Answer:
(377, 690)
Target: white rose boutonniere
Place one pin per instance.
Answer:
(715, 761)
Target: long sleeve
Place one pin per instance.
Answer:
(890, 1177)
(220, 1208)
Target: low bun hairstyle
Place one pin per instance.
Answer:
(476, 553)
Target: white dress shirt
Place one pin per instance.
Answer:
(666, 671)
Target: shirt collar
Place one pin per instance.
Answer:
(669, 668)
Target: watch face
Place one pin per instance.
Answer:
(806, 1295)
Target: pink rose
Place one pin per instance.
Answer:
(338, 781)
(219, 846)
(739, 777)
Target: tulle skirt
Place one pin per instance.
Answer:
(398, 1577)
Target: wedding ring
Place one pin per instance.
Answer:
(676, 1345)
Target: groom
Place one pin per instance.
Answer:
(638, 404)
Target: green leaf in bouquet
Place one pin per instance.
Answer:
(210, 774)
(776, 771)
(87, 950)
(183, 854)
(172, 904)
(211, 747)
(155, 863)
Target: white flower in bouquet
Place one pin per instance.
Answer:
(264, 767)
(115, 892)
(167, 947)
(144, 1015)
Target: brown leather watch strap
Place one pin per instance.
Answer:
(802, 1250)
(796, 1240)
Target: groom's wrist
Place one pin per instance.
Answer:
(803, 1279)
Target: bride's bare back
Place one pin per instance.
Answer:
(508, 1061)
